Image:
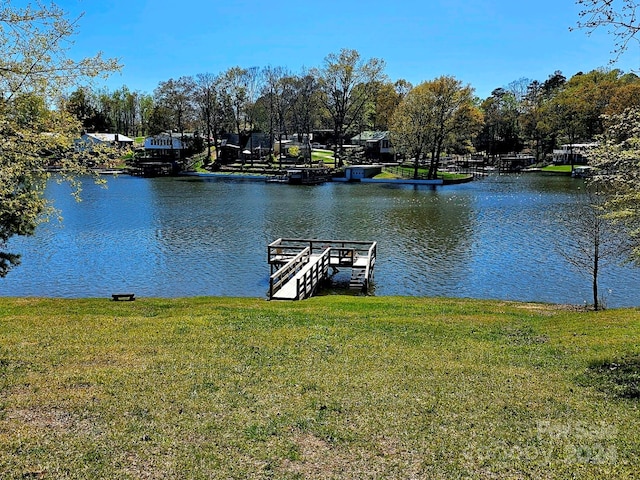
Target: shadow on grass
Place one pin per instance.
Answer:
(618, 378)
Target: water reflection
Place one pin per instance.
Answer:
(493, 238)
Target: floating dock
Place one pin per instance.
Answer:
(299, 265)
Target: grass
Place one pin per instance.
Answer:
(408, 172)
(326, 156)
(330, 387)
(557, 168)
(386, 176)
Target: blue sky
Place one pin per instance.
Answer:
(486, 43)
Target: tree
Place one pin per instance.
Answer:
(34, 73)
(627, 95)
(594, 240)
(176, 98)
(277, 103)
(304, 106)
(235, 97)
(501, 131)
(82, 105)
(384, 103)
(413, 125)
(619, 17)
(207, 99)
(346, 84)
(617, 159)
(433, 117)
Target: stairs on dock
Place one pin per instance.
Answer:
(358, 278)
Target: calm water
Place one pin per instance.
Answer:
(493, 238)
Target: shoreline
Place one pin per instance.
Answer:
(569, 307)
(396, 181)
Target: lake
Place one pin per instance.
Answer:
(497, 237)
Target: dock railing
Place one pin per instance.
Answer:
(283, 249)
(368, 273)
(287, 272)
(307, 284)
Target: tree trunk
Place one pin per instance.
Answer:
(433, 165)
(596, 258)
(208, 160)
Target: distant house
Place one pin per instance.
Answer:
(572, 153)
(89, 140)
(229, 148)
(168, 145)
(376, 144)
(257, 145)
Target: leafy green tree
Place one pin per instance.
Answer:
(435, 116)
(627, 95)
(617, 159)
(35, 71)
(413, 125)
(347, 83)
(82, 105)
(175, 98)
(501, 131)
(538, 123)
(387, 97)
(573, 111)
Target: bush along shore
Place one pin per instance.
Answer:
(330, 387)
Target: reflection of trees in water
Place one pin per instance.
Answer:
(206, 234)
(332, 211)
(432, 234)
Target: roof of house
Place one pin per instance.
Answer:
(371, 136)
(173, 135)
(258, 140)
(109, 137)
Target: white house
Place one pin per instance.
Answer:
(572, 152)
(165, 145)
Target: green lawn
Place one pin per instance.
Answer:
(326, 156)
(331, 387)
(404, 171)
(557, 168)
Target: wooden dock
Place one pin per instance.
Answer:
(298, 265)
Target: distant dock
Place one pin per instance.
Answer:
(299, 265)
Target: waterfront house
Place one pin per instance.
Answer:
(258, 145)
(168, 145)
(572, 153)
(376, 144)
(229, 148)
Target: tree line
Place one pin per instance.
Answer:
(348, 94)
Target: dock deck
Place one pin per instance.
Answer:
(299, 265)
